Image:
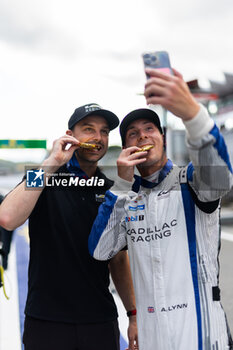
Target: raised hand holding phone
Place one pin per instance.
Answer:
(159, 61)
(165, 86)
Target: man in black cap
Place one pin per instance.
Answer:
(169, 220)
(69, 305)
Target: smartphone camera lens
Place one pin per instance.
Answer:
(147, 62)
(153, 58)
(147, 59)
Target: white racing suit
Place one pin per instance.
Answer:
(171, 228)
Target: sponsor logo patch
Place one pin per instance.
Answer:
(150, 309)
(134, 218)
(91, 108)
(99, 197)
(138, 207)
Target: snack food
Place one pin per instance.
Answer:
(88, 145)
(145, 148)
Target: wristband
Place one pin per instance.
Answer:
(132, 313)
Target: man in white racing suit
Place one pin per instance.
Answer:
(169, 219)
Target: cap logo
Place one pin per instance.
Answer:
(91, 108)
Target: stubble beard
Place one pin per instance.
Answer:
(87, 160)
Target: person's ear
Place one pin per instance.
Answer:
(69, 132)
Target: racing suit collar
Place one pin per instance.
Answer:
(139, 181)
(74, 168)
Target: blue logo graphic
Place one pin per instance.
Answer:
(139, 207)
(35, 178)
(134, 218)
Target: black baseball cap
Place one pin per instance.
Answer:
(143, 113)
(93, 108)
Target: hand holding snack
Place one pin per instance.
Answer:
(128, 159)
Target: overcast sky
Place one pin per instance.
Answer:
(59, 54)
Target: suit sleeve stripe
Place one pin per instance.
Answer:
(190, 171)
(101, 221)
(221, 146)
(189, 209)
